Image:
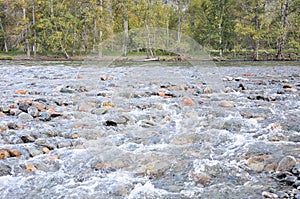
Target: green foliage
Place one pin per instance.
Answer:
(80, 26)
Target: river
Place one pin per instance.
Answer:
(149, 130)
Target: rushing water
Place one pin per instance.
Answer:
(146, 130)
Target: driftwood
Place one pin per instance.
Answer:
(152, 59)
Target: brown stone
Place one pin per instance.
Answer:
(207, 90)
(84, 108)
(53, 113)
(75, 136)
(2, 114)
(46, 150)
(187, 102)
(202, 178)
(39, 106)
(4, 154)
(226, 104)
(287, 86)
(22, 92)
(14, 153)
(108, 105)
(258, 163)
(30, 167)
(3, 128)
(105, 78)
(27, 101)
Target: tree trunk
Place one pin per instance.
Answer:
(100, 54)
(4, 36)
(27, 47)
(283, 30)
(74, 29)
(34, 31)
(220, 39)
(94, 35)
(256, 40)
(125, 29)
(179, 23)
(167, 31)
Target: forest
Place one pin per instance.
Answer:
(261, 28)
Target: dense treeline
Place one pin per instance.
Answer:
(76, 26)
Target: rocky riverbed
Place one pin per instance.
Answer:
(68, 130)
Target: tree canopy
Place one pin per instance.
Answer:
(80, 26)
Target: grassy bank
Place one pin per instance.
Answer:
(243, 55)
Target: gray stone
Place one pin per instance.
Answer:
(5, 108)
(64, 143)
(25, 116)
(27, 138)
(44, 116)
(286, 164)
(33, 111)
(24, 107)
(269, 195)
(99, 111)
(67, 89)
(33, 151)
(226, 104)
(296, 169)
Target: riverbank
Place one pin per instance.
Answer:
(228, 56)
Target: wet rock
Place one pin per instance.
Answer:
(14, 153)
(242, 87)
(67, 89)
(290, 180)
(25, 116)
(119, 190)
(5, 169)
(15, 111)
(44, 116)
(4, 108)
(22, 92)
(156, 169)
(282, 194)
(108, 105)
(84, 107)
(30, 167)
(33, 151)
(226, 104)
(99, 111)
(105, 78)
(187, 101)
(287, 86)
(33, 111)
(266, 194)
(207, 91)
(39, 105)
(110, 123)
(12, 125)
(64, 143)
(4, 154)
(27, 138)
(259, 162)
(286, 164)
(24, 107)
(296, 169)
(2, 114)
(53, 113)
(46, 143)
(297, 184)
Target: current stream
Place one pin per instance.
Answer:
(146, 130)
